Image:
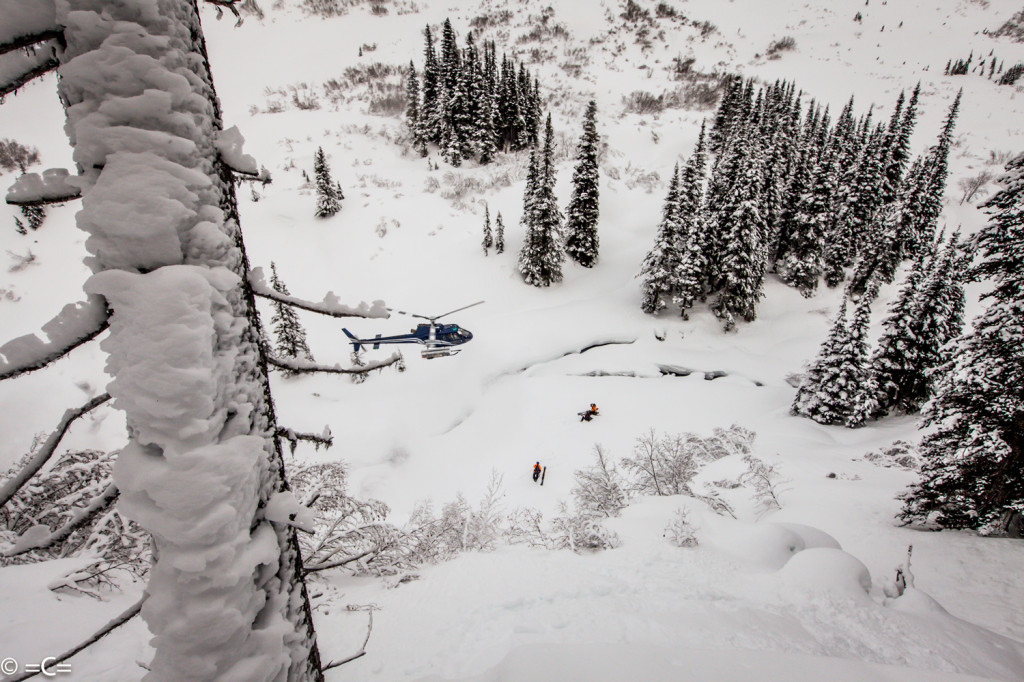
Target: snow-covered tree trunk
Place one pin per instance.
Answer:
(226, 596)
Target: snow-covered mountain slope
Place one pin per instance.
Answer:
(757, 599)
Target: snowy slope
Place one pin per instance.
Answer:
(750, 602)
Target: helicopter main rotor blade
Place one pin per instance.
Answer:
(437, 317)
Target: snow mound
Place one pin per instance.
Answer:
(52, 185)
(812, 537)
(766, 545)
(824, 569)
(914, 600)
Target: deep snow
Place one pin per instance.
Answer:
(758, 599)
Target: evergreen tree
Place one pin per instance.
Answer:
(973, 471)
(34, 216)
(744, 249)
(691, 266)
(854, 381)
(811, 399)
(291, 337)
(893, 360)
(582, 213)
(925, 187)
(880, 256)
(659, 268)
(540, 261)
(412, 112)
(488, 237)
(429, 114)
(327, 203)
(499, 235)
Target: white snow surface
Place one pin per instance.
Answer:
(52, 184)
(794, 594)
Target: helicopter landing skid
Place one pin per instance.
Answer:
(430, 353)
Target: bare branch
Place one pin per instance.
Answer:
(330, 306)
(11, 486)
(46, 201)
(55, 33)
(75, 325)
(231, 6)
(80, 518)
(362, 650)
(123, 618)
(339, 562)
(305, 367)
(293, 437)
(13, 84)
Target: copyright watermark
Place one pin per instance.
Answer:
(48, 667)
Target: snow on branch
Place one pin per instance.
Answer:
(18, 69)
(40, 537)
(330, 306)
(293, 437)
(117, 622)
(27, 22)
(229, 143)
(75, 325)
(231, 5)
(300, 366)
(11, 486)
(33, 189)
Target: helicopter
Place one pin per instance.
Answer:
(438, 340)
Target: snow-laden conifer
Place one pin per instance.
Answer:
(327, 202)
(499, 234)
(658, 271)
(974, 455)
(582, 214)
(291, 337)
(540, 261)
(488, 241)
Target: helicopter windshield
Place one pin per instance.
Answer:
(464, 333)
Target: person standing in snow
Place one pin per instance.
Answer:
(536, 472)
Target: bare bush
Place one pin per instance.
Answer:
(663, 10)
(579, 532)
(974, 185)
(391, 102)
(303, 97)
(1013, 28)
(665, 465)
(679, 531)
(765, 480)
(899, 454)
(378, 9)
(644, 103)
(600, 490)
(16, 156)
(777, 47)
(706, 28)
(47, 502)
(493, 18)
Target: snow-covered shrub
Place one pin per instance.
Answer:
(600, 490)
(900, 454)
(765, 481)
(579, 531)
(716, 504)
(52, 498)
(16, 156)
(665, 465)
(679, 531)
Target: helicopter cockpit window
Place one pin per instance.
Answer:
(464, 333)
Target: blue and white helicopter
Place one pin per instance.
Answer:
(438, 340)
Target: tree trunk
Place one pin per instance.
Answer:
(226, 596)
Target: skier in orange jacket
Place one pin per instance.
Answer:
(536, 472)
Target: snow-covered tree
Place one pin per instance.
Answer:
(974, 455)
(581, 215)
(488, 241)
(810, 400)
(658, 271)
(291, 337)
(540, 261)
(499, 234)
(202, 469)
(327, 202)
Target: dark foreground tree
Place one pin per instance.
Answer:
(973, 471)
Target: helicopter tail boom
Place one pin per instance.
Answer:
(356, 343)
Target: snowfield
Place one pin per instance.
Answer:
(795, 594)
